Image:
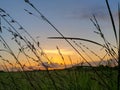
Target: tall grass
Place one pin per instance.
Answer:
(108, 48)
(75, 78)
(19, 39)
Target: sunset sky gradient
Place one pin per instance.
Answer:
(72, 19)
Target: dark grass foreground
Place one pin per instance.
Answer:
(77, 78)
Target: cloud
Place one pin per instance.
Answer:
(109, 62)
(100, 12)
(50, 65)
(63, 51)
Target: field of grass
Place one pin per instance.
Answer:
(69, 79)
(76, 78)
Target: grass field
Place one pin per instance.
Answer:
(79, 77)
(82, 78)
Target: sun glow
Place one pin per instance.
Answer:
(63, 51)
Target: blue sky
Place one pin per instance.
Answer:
(71, 17)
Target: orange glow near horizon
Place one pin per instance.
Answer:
(55, 58)
(63, 51)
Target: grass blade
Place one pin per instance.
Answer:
(71, 38)
(112, 21)
(119, 49)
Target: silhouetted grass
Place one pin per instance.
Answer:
(78, 77)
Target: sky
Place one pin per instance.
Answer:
(70, 17)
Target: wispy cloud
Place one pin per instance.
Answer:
(99, 11)
(63, 51)
(50, 65)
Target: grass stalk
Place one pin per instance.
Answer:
(62, 57)
(119, 49)
(112, 21)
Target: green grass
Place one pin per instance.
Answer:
(70, 79)
(80, 78)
